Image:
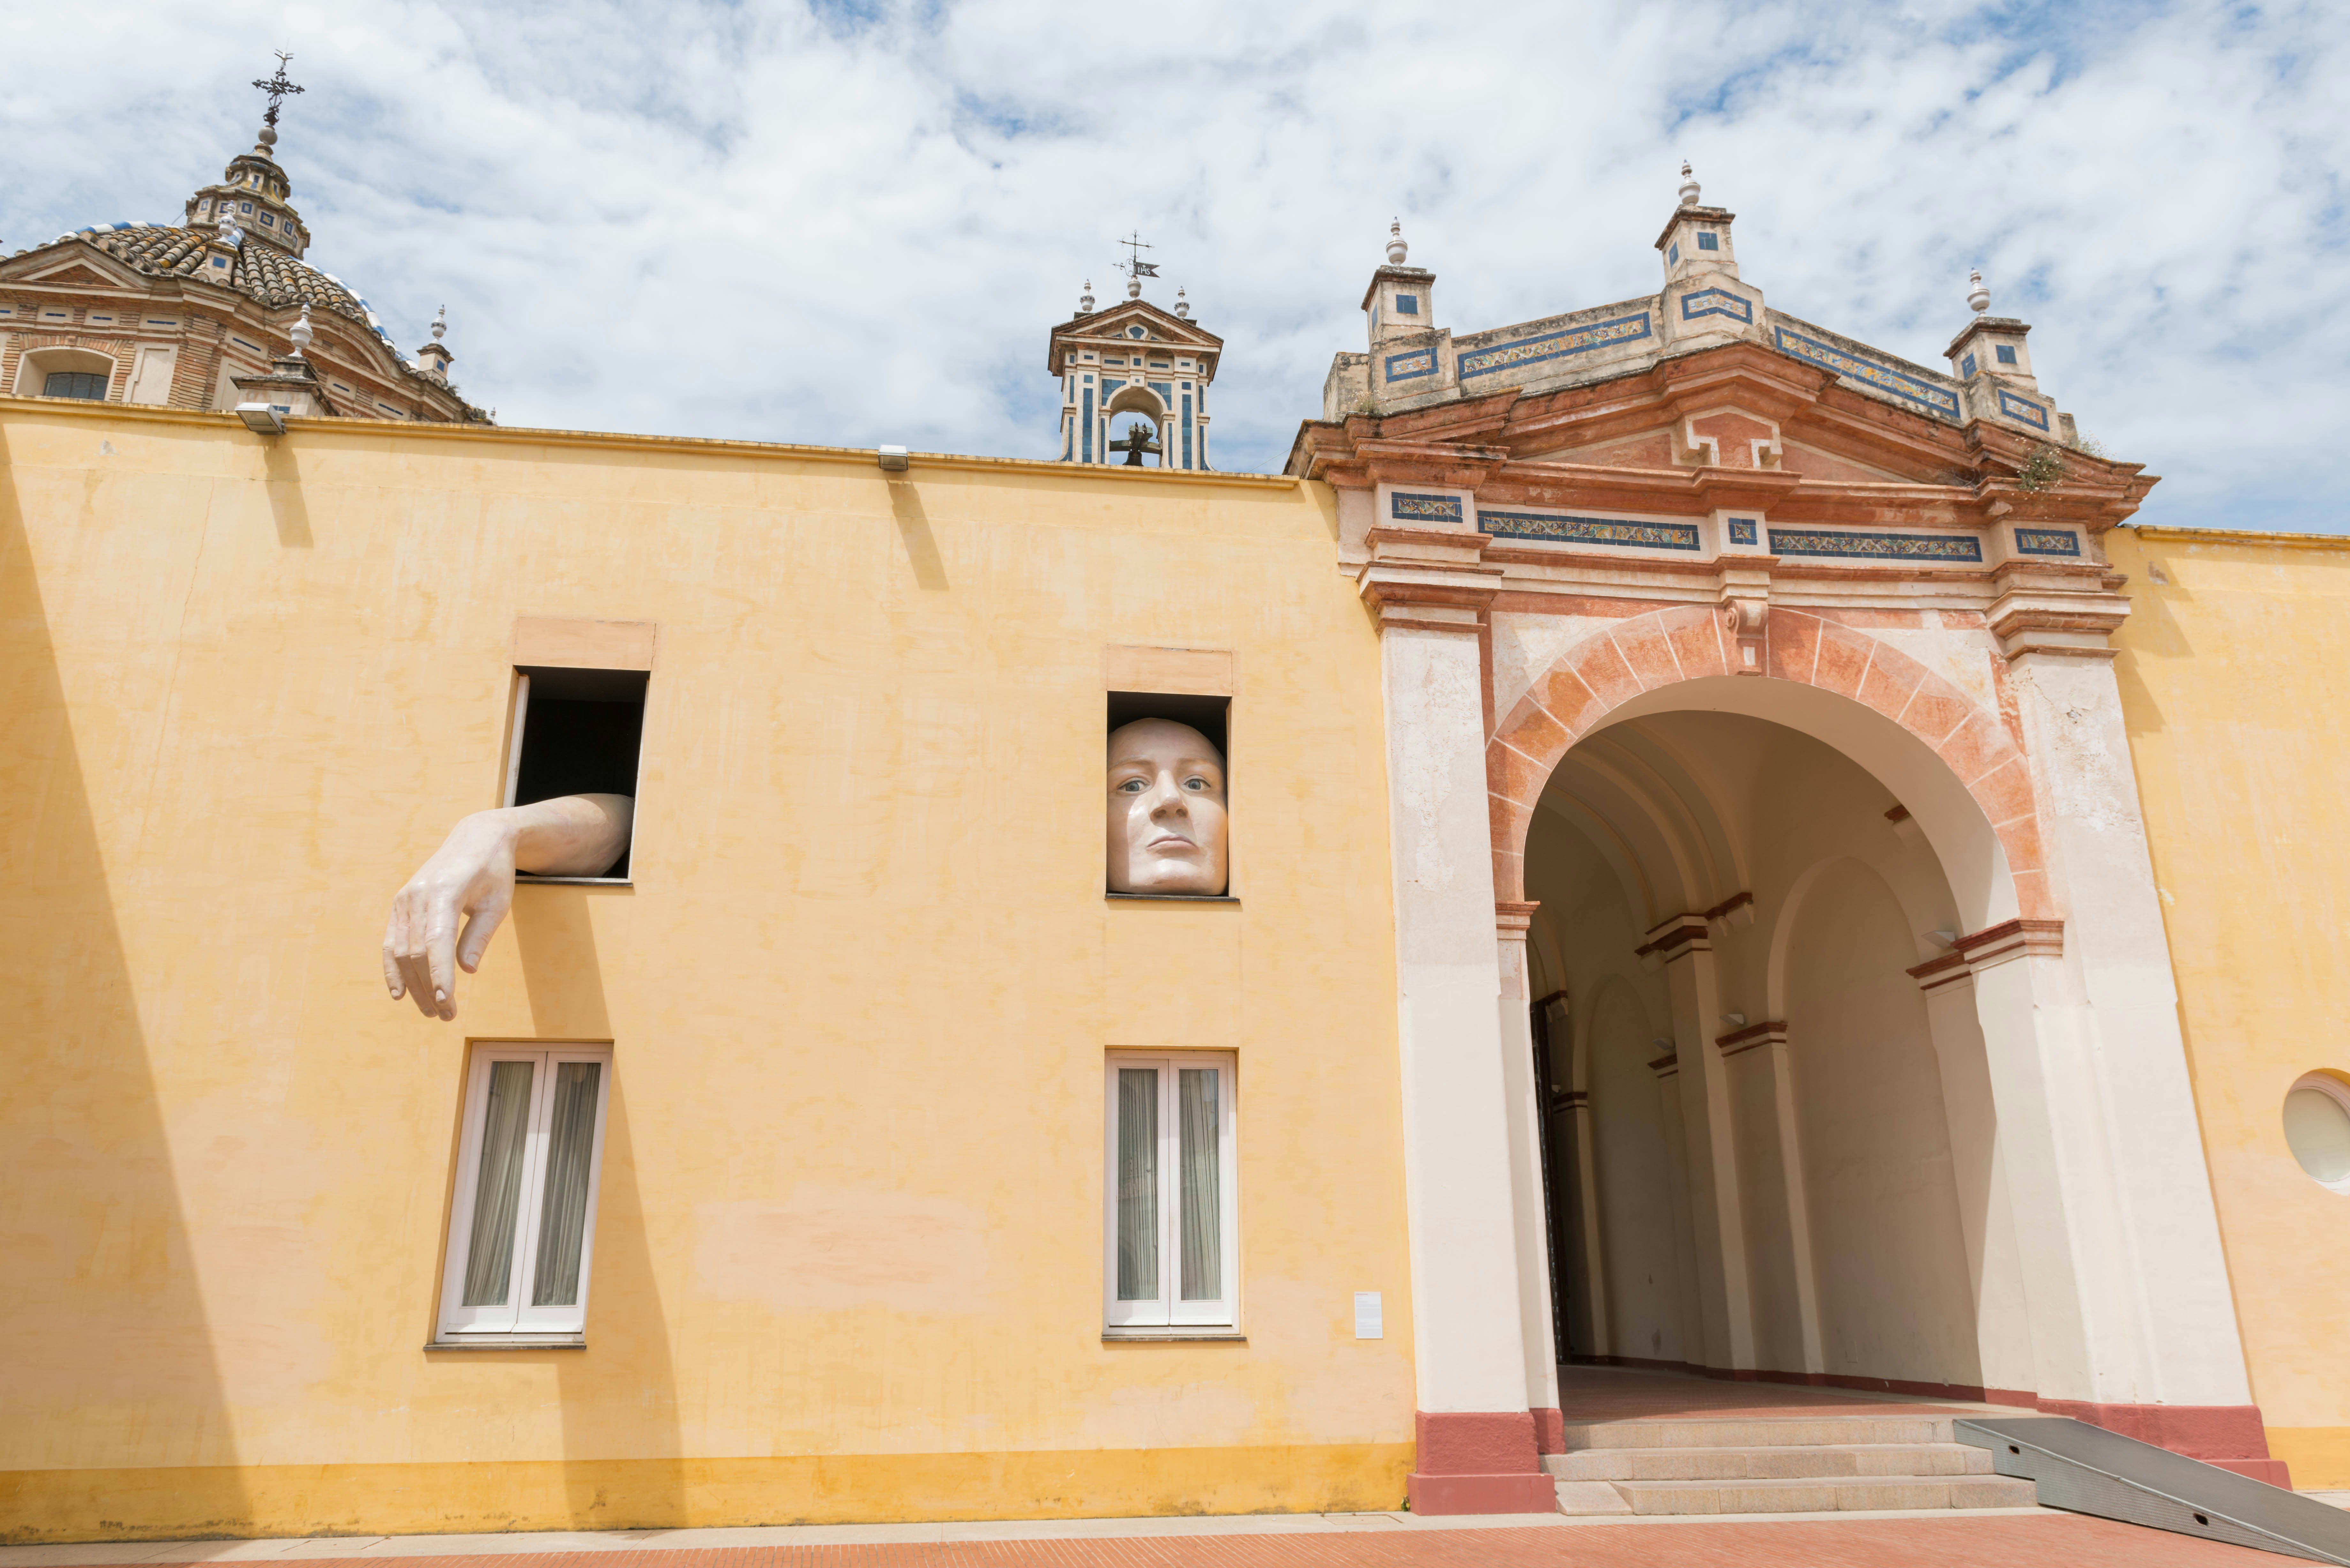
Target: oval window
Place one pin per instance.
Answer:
(2317, 1128)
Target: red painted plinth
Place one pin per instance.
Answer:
(1479, 1462)
(2228, 1435)
(1550, 1431)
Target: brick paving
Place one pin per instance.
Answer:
(1978, 1543)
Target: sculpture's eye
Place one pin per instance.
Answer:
(1197, 784)
(1131, 786)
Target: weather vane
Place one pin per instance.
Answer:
(277, 86)
(1133, 267)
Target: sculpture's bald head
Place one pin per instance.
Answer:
(1166, 810)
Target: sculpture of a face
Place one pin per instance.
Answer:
(1166, 810)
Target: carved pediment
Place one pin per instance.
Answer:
(1119, 322)
(80, 275)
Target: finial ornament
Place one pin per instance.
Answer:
(1396, 248)
(1978, 296)
(1133, 267)
(279, 86)
(440, 323)
(1689, 185)
(1182, 305)
(1086, 300)
(302, 332)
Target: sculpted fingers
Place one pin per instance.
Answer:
(392, 937)
(441, 953)
(480, 927)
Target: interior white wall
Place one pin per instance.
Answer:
(1615, 1012)
(1896, 1296)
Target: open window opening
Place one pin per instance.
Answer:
(577, 731)
(1169, 800)
(1170, 1235)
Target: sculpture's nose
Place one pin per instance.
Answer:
(1165, 796)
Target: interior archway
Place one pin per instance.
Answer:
(1846, 1231)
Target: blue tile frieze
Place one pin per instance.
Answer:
(2023, 409)
(1410, 508)
(1742, 531)
(1875, 546)
(1405, 367)
(2048, 542)
(1614, 531)
(1554, 345)
(1925, 394)
(1716, 302)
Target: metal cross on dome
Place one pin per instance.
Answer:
(1133, 267)
(277, 87)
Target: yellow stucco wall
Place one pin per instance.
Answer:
(848, 1253)
(2232, 668)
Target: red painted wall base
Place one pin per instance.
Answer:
(1478, 1462)
(2229, 1436)
(1550, 1432)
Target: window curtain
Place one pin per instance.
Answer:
(1203, 1201)
(497, 1192)
(1138, 1184)
(563, 1209)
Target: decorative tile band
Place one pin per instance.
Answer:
(1875, 546)
(1554, 345)
(1419, 362)
(1614, 531)
(1716, 302)
(1742, 531)
(1425, 508)
(2023, 409)
(2048, 542)
(1925, 394)
(1967, 367)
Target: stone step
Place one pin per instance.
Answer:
(1759, 1431)
(1823, 1494)
(1780, 1461)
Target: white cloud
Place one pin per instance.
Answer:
(855, 224)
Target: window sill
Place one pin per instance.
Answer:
(513, 1342)
(1176, 897)
(1231, 1335)
(524, 878)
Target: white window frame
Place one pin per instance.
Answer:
(516, 1320)
(1169, 1315)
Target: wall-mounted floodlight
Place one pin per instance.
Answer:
(892, 458)
(262, 418)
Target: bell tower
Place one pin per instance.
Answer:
(1134, 357)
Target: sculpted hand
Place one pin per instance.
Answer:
(472, 875)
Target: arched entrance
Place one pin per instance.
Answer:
(1855, 1233)
(1980, 1175)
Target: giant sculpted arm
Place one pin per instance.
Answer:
(471, 876)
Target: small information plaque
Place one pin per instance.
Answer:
(1368, 1325)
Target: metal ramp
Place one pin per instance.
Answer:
(2087, 1469)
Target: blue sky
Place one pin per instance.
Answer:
(854, 222)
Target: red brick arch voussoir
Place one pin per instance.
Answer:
(1611, 667)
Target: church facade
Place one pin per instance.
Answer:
(1739, 858)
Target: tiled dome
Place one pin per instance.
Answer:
(263, 271)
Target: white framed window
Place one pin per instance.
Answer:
(1170, 1225)
(522, 1227)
